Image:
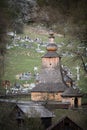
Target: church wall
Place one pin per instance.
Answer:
(37, 96)
(71, 100)
(79, 101)
(50, 62)
(58, 96)
(73, 103)
(55, 96)
(66, 99)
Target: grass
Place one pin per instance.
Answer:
(19, 62)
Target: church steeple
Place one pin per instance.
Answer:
(50, 71)
(51, 46)
(51, 37)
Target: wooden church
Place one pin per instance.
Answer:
(51, 85)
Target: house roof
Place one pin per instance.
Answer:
(36, 110)
(72, 92)
(62, 120)
(49, 87)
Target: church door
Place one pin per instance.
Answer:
(76, 102)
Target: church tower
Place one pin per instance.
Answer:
(50, 71)
(50, 85)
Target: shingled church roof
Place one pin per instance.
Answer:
(72, 92)
(50, 75)
(51, 54)
(49, 87)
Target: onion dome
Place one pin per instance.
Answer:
(51, 47)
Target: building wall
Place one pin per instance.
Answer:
(58, 96)
(37, 96)
(71, 100)
(50, 62)
(79, 101)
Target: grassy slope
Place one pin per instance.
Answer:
(17, 60)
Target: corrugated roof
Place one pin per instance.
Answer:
(49, 87)
(35, 111)
(72, 92)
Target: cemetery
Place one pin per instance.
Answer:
(27, 49)
(31, 76)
